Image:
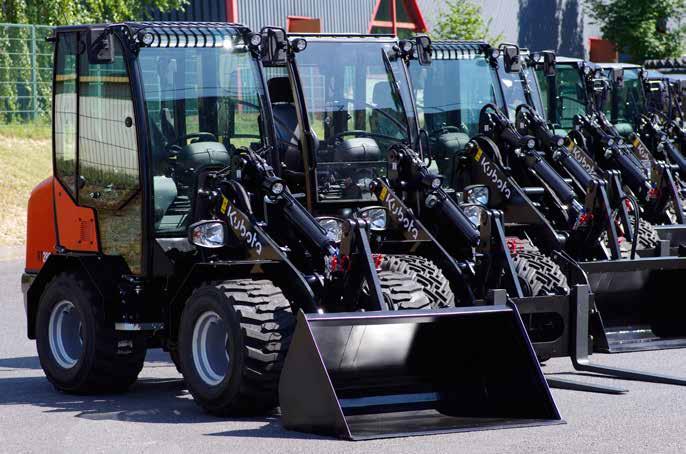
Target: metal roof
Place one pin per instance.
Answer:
(619, 66)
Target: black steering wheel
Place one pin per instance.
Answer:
(199, 136)
(377, 109)
(361, 133)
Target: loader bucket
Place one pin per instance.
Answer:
(389, 374)
(640, 304)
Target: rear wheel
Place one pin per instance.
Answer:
(233, 340)
(78, 349)
(647, 238)
(425, 272)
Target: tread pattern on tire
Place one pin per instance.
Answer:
(540, 273)
(267, 325)
(403, 293)
(647, 238)
(422, 270)
(111, 371)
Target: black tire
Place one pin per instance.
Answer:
(422, 270)
(539, 274)
(260, 326)
(647, 238)
(107, 362)
(402, 293)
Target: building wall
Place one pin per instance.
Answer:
(561, 25)
(537, 24)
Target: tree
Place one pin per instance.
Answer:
(462, 19)
(642, 29)
(67, 12)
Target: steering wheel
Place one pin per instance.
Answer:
(200, 136)
(447, 128)
(361, 133)
(377, 109)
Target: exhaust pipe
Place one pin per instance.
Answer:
(387, 374)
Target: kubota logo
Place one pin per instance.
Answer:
(403, 217)
(492, 173)
(238, 224)
(581, 158)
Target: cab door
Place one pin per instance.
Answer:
(98, 193)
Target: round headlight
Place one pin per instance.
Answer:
(587, 70)
(560, 141)
(277, 188)
(255, 39)
(536, 57)
(376, 217)
(406, 46)
(299, 44)
(473, 213)
(620, 141)
(436, 183)
(333, 228)
(478, 194)
(531, 144)
(147, 39)
(610, 142)
(495, 53)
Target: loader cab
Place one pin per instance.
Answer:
(138, 124)
(449, 96)
(342, 113)
(563, 94)
(519, 86)
(626, 101)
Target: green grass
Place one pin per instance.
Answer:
(24, 162)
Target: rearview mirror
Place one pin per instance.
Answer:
(423, 49)
(100, 47)
(274, 46)
(513, 63)
(549, 63)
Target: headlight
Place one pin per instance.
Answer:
(376, 217)
(299, 45)
(477, 194)
(255, 39)
(610, 142)
(406, 46)
(587, 70)
(531, 144)
(209, 234)
(333, 228)
(274, 186)
(433, 181)
(495, 53)
(620, 141)
(560, 141)
(473, 213)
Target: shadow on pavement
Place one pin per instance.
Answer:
(149, 400)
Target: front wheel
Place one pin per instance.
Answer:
(233, 340)
(78, 349)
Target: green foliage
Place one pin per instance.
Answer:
(642, 28)
(67, 12)
(461, 19)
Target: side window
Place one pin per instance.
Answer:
(108, 155)
(65, 111)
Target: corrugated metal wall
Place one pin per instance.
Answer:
(337, 16)
(196, 10)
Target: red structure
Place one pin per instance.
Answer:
(390, 16)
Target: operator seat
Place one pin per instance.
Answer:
(288, 131)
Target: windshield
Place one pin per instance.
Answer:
(519, 88)
(625, 103)
(202, 104)
(571, 95)
(355, 111)
(451, 93)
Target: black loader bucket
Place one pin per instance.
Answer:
(389, 374)
(640, 304)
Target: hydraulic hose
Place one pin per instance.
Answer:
(637, 222)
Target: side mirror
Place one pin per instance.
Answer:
(549, 59)
(423, 49)
(274, 46)
(100, 47)
(513, 63)
(618, 77)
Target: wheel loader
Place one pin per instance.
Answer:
(173, 220)
(469, 98)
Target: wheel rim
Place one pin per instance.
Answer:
(210, 355)
(65, 334)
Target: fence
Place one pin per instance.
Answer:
(25, 72)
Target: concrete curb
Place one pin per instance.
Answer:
(8, 253)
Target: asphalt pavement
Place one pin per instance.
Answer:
(158, 415)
